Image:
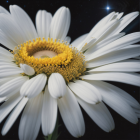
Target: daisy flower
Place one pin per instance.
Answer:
(42, 71)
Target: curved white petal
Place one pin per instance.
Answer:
(137, 57)
(60, 23)
(128, 98)
(3, 99)
(4, 80)
(10, 72)
(3, 10)
(124, 22)
(49, 113)
(5, 52)
(11, 29)
(103, 43)
(43, 22)
(120, 43)
(115, 101)
(71, 114)
(13, 116)
(131, 46)
(7, 41)
(24, 22)
(6, 62)
(34, 86)
(27, 69)
(103, 32)
(56, 85)
(115, 16)
(114, 57)
(78, 40)
(88, 45)
(120, 15)
(128, 78)
(31, 119)
(85, 91)
(137, 112)
(6, 107)
(5, 57)
(100, 24)
(5, 67)
(12, 86)
(124, 66)
(99, 114)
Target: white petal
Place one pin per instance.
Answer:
(13, 116)
(43, 21)
(131, 46)
(27, 69)
(24, 22)
(103, 43)
(71, 114)
(99, 114)
(7, 41)
(124, 66)
(5, 67)
(5, 61)
(85, 91)
(103, 32)
(5, 52)
(34, 86)
(114, 57)
(2, 99)
(4, 80)
(116, 102)
(10, 72)
(120, 43)
(98, 26)
(68, 39)
(11, 29)
(78, 40)
(137, 111)
(3, 10)
(60, 24)
(105, 29)
(120, 15)
(88, 45)
(5, 57)
(12, 86)
(124, 22)
(124, 95)
(56, 85)
(31, 119)
(137, 57)
(128, 78)
(49, 113)
(6, 107)
(115, 16)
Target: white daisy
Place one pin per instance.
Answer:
(44, 72)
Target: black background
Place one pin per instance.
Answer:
(84, 15)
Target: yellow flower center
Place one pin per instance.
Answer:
(51, 57)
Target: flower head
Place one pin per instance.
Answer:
(44, 71)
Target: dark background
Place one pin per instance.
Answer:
(84, 15)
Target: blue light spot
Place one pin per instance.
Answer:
(7, 1)
(107, 7)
